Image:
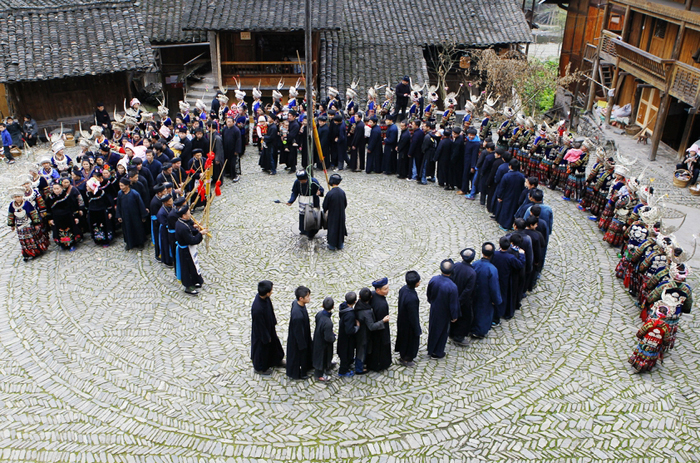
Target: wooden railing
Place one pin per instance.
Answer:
(681, 80)
(608, 52)
(243, 68)
(684, 83)
(642, 64)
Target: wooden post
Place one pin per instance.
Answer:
(616, 77)
(625, 24)
(679, 40)
(688, 5)
(660, 123)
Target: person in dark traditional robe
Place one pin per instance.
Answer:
(341, 142)
(357, 145)
(368, 325)
(507, 194)
(131, 214)
(502, 170)
(348, 326)
(538, 248)
(408, 328)
(456, 160)
(522, 241)
(172, 221)
(153, 208)
(324, 337)
(380, 359)
(334, 205)
(233, 147)
(415, 153)
(187, 236)
(484, 165)
(323, 138)
(508, 266)
(299, 344)
(402, 148)
(464, 277)
(491, 181)
(443, 297)
(161, 230)
(472, 144)
(265, 347)
(308, 192)
(442, 156)
(140, 188)
(390, 142)
(487, 292)
(374, 147)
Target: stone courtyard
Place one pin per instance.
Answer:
(103, 357)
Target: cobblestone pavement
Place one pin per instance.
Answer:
(104, 358)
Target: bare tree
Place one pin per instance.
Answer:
(512, 75)
(441, 60)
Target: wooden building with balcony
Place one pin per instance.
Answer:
(648, 53)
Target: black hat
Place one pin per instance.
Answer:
(456, 130)
(196, 150)
(302, 175)
(165, 197)
(167, 165)
(124, 181)
(158, 188)
(471, 131)
(323, 118)
(167, 185)
(180, 201)
(337, 117)
(104, 148)
(335, 179)
(380, 283)
(406, 78)
(174, 160)
(182, 210)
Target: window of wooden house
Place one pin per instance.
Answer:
(659, 28)
(615, 24)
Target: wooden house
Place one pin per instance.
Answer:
(60, 58)
(648, 53)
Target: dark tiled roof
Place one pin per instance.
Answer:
(343, 59)
(475, 23)
(164, 20)
(64, 41)
(260, 15)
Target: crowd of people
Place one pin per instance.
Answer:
(142, 173)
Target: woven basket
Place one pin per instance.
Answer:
(14, 151)
(632, 129)
(681, 178)
(695, 189)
